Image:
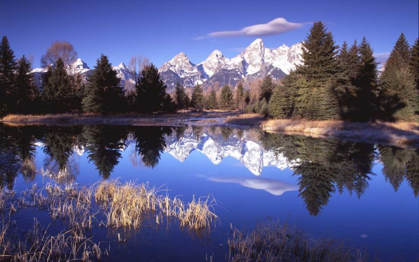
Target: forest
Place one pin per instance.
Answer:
(334, 83)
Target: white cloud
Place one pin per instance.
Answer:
(274, 27)
(381, 58)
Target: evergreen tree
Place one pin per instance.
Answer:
(414, 62)
(266, 88)
(315, 95)
(264, 108)
(400, 55)
(197, 101)
(247, 97)
(26, 90)
(212, 100)
(240, 96)
(398, 97)
(57, 92)
(103, 94)
(366, 83)
(7, 78)
(346, 90)
(226, 98)
(319, 56)
(151, 91)
(181, 98)
(278, 104)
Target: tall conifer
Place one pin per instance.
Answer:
(366, 82)
(151, 91)
(27, 92)
(7, 78)
(57, 92)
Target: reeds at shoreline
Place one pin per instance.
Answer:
(125, 205)
(274, 241)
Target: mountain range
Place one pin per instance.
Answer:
(256, 61)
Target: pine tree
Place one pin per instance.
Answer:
(212, 100)
(400, 56)
(151, 91)
(264, 108)
(366, 83)
(226, 98)
(57, 92)
(240, 96)
(181, 98)
(414, 62)
(247, 97)
(278, 104)
(197, 101)
(346, 90)
(398, 96)
(319, 56)
(103, 94)
(266, 88)
(26, 90)
(315, 95)
(7, 78)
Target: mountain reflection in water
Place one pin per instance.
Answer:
(322, 166)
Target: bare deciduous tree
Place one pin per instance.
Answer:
(137, 64)
(59, 49)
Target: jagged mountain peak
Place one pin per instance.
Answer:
(122, 65)
(80, 64)
(258, 41)
(254, 62)
(212, 64)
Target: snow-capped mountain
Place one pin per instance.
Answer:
(254, 62)
(80, 67)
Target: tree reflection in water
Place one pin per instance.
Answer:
(322, 166)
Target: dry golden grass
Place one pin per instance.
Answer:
(245, 119)
(126, 204)
(121, 204)
(37, 245)
(399, 134)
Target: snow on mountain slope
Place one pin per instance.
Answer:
(213, 63)
(254, 62)
(80, 67)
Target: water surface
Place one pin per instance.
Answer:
(364, 193)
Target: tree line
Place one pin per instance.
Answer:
(332, 83)
(63, 92)
(344, 84)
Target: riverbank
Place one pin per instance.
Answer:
(399, 134)
(175, 119)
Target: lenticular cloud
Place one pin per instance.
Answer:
(274, 27)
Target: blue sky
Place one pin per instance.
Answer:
(161, 29)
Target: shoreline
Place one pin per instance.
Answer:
(400, 134)
(171, 119)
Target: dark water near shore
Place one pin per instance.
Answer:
(364, 193)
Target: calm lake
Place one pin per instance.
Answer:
(366, 194)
